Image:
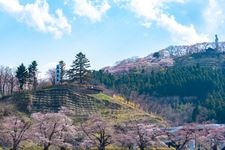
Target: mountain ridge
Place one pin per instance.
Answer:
(163, 58)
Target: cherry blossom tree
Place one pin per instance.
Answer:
(146, 135)
(123, 139)
(14, 130)
(52, 129)
(179, 137)
(139, 134)
(212, 137)
(98, 131)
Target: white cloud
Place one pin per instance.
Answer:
(214, 15)
(11, 5)
(153, 11)
(92, 9)
(181, 33)
(37, 15)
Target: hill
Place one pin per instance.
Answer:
(83, 101)
(165, 58)
(191, 88)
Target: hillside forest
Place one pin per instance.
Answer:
(182, 93)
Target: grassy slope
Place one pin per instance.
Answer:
(126, 111)
(115, 108)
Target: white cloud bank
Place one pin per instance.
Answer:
(214, 16)
(37, 15)
(91, 9)
(153, 11)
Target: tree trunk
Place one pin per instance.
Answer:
(13, 148)
(62, 148)
(101, 147)
(80, 79)
(130, 147)
(46, 147)
(15, 145)
(142, 147)
(214, 147)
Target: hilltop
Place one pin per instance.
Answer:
(167, 57)
(83, 101)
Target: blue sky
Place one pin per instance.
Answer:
(105, 30)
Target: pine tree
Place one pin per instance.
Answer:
(79, 68)
(22, 75)
(32, 74)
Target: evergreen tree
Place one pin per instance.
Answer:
(32, 74)
(62, 65)
(22, 75)
(79, 68)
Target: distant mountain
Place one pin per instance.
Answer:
(164, 58)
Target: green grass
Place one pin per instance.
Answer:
(126, 112)
(102, 96)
